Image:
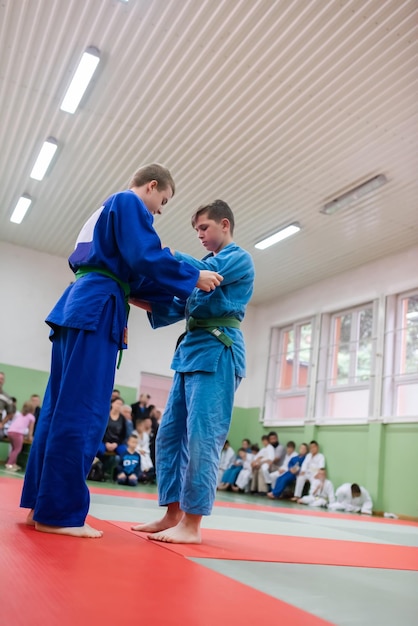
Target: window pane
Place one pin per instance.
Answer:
(342, 348)
(364, 353)
(304, 354)
(411, 335)
(287, 360)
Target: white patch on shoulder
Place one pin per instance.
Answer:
(86, 233)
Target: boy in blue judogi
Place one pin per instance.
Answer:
(118, 253)
(209, 363)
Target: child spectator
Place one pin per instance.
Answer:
(353, 499)
(231, 474)
(321, 492)
(242, 482)
(22, 425)
(142, 432)
(314, 461)
(129, 467)
(287, 480)
(226, 460)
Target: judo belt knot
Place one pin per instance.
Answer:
(211, 325)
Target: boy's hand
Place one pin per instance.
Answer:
(208, 280)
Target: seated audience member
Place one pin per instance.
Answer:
(246, 444)
(140, 409)
(288, 479)
(231, 474)
(22, 425)
(143, 428)
(242, 482)
(321, 492)
(129, 466)
(114, 439)
(226, 460)
(290, 453)
(126, 411)
(274, 453)
(314, 461)
(115, 394)
(35, 400)
(352, 498)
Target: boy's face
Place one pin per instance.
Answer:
(132, 443)
(155, 199)
(213, 235)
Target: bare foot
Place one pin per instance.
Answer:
(29, 519)
(72, 531)
(182, 533)
(270, 495)
(170, 519)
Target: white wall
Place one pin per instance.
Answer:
(31, 282)
(390, 275)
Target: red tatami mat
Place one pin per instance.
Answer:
(118, 579)
(224, 544)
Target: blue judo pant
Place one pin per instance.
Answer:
(191, 436)
(72, 423)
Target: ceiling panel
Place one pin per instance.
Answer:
(274, 106)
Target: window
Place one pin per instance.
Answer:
(288, 373)
(352, 347)
(350, 363)
(405, 393)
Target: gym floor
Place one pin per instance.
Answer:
(259, 560)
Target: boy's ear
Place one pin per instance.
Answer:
(225, 223)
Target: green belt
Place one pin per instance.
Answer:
(211, 326)
(83, 271)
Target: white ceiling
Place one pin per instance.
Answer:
(273, 106)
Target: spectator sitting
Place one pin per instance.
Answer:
(7, 407)
(143, 448)
(35, 400)
(313, 462)
(290, 453)
(140, 409)
(23, 424)
(115, 394)
(126, 411)
(246, 444)
(230, 475)
(274, 455)
(286, 480)
(352, 498)
(242, 482)
(321, 492)
(114, 439)
(129, 466)
(226, 460)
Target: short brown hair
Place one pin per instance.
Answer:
(157, 172)
(216, 211)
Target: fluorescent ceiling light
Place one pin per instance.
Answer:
(44, 159)
(83, 75)
(348, 198)
(21, 207)
(279, 236)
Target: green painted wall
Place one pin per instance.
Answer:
(381, 457)
(22, 382)
(400, 469)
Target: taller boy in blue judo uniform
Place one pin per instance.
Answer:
(117, 254)
(209, 364)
